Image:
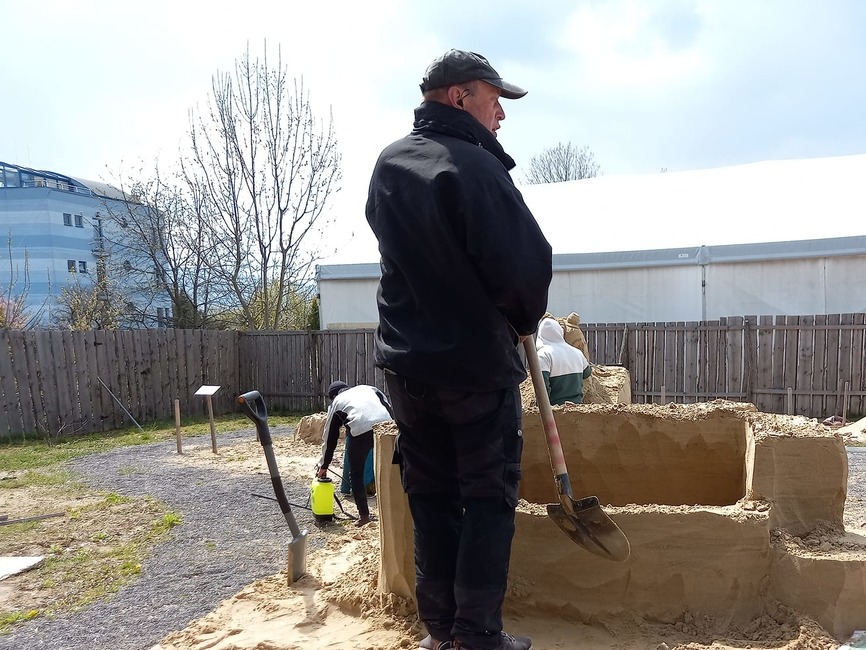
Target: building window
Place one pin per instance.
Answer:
(70, 266)
(79, 221)
(11, 177)
(82, 267)
(67, 219)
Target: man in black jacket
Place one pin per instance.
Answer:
(465, 274)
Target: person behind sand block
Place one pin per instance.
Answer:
(357, 409)
(465, 274)
(563, 366)
(346, 479)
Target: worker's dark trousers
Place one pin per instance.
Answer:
(358, 451)
(459, 456)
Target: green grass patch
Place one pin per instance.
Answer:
(45, 477)
(24, 454)
(112, 498)
(165, 523)
(8, 619)
(91, 562)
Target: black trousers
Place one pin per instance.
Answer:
(459, 456)
(358, 451)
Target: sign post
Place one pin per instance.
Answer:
(209, 392)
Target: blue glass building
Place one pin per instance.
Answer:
(53, 231)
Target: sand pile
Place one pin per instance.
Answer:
(310, 428)
(854, 432)
(338, 605)
(334, 606)
(606, 384)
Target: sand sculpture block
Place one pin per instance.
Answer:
(607, 385)
(397, 560)
(700, 490)
(629, 454)
(830, 585)
(310, 427)
(709, 560)
(805, 478)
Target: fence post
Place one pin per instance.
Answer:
(845, 405)
(790, 401)
(177, 425)
(317, 366)
(750, 358)
(623, 346)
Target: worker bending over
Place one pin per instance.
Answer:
(358, 409)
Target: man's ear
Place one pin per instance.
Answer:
(455, 97)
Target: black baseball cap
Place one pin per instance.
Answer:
(459, 66)
(336, 387)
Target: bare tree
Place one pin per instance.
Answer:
(16, 312)
(264, 169)
(297, 306)
(157, 242)
(564, 162)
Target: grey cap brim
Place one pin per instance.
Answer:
(509, 91)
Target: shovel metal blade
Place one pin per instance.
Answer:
(587, 524)
(297, 559)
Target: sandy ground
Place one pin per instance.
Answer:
(336, 606)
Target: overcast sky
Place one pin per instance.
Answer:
(92, 88)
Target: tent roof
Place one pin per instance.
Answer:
(765, 251)
(771, 201)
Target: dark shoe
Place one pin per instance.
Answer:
(363, 521)
(429, 643)
(508, 642)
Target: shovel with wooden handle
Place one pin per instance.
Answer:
(583, 520)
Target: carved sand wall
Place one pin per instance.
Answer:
(728, 511)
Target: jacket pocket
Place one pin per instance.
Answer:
(513, 474)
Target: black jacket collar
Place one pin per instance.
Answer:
(440, 118)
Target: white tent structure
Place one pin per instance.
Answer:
(770, 238)
(780, 200)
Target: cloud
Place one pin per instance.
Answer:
(682, 84)
(620, 45)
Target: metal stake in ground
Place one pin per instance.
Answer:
(119, 403)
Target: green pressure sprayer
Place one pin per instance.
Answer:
(322, 499)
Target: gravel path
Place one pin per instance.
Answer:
(228, 539)
(855, 504)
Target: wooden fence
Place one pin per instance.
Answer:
(293, 369)
(80, 382)
(55, 382)
(782, 364)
